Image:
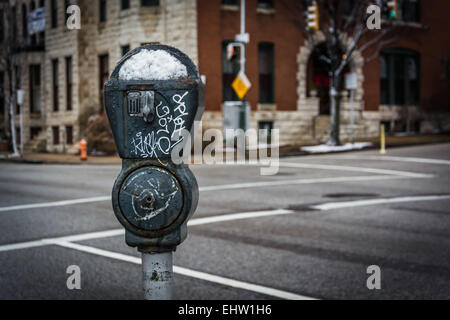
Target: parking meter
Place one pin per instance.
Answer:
(154, 93)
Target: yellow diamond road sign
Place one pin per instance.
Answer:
(241, 85)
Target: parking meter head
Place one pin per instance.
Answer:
(152, 96)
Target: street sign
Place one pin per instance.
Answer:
(351, 81)
(241, 85)
(245, 38)
(20, 96)
(36, 21)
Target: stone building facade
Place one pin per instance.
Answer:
(74, 64)
(288, 84)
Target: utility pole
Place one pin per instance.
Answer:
(241, 85)
(243, 120)
(20, 100)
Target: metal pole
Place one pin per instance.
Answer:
(157, 271)
(21, 129)
(243, 120)
(242, 16)
(352, 117)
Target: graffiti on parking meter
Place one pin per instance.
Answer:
(171, 125)
(150, 196)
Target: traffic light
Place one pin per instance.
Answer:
(392, 6)
(231, 51)
(313, 17)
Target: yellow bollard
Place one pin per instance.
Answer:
(383, 140)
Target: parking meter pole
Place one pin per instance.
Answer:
(157, 275)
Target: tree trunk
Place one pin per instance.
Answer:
(335, 112)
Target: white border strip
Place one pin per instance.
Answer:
(189, 273)
(371, 202)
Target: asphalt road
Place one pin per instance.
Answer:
(342, 213)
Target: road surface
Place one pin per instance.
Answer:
(309, 232)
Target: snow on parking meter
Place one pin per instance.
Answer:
(153, 95)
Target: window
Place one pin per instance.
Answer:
(125, 49)
(34, 132)
(265, 136)
(33, 36)
(2, 94)
(18, 136)
(265, 4)
(347, 7)
(125, 4)
(24, 21)
(229, 72)
(66, 5)
(55, 134)
(399, 77)
(55, 71)
(54, 13)
(266, 77)
(35, 88)
(407, 10)
(41, 37)
(69, 85)
(102, 11)
(69, 135)
(103, 62)
(14, 14)
(149, 3)
(230, 2)
(2, 26)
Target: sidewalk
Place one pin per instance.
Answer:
(391, 142)
(54, 158)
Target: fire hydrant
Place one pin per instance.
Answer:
(82, 147)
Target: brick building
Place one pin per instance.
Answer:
(62, 71)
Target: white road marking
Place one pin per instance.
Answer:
(189, 273)
(326, 167)
(238, 216)
(400, 159)
(297, 181)
(371, 202)
(23, 245)
(355, 169)
(213, 188)
(119, 232)
(391, 174)
(49, 241)
(54, 203)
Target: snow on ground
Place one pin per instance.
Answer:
(152, 65)
(323, 148)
